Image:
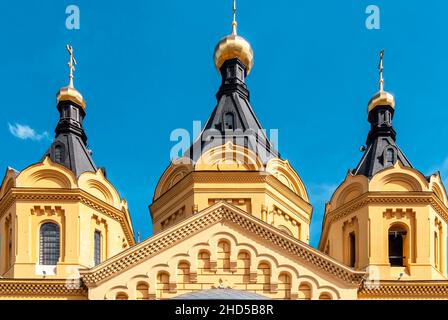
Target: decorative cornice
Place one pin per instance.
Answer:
(406, 289)
(239, 177)
(39, 287)
(165, 213)
(387, 198)
(214, 214)
(67, 195)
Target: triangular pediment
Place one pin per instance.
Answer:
(236, 246)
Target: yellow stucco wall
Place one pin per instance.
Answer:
(223, 253)
(47, 192)
(396, 197)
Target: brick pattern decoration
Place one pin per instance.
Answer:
(219, 213)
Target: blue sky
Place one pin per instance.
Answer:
(145, 68)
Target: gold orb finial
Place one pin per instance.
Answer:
(381, 98)
(234, 46)
(69, 93)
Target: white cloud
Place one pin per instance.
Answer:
(25, 132)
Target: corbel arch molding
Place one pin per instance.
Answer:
(97, 185)
(134, 282)
(47, 174)
(174, 262)
(229, 157)
(286, 174)
(311, 282)
(399, 178)
(194, 254)
(9, 182)
(112, 292)
(175, 172)
(294, 275)
(352, 187)
(316, 288)
(216, 238)
(437, 186)
(332, 292)
(153, 274)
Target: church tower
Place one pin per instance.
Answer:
(387, 216)
(232, 160)
(61, 214)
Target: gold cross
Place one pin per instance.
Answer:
(71, 64)
(380, 67)
(234, 24)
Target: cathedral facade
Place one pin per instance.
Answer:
(231, 218)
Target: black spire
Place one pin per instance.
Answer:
(69, 147)
(381, 151)
(233, 119)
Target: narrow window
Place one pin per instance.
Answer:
(229, 121)
(436, 250)
(352, 239)
(75, 114)
(390, 157)
(49, 244)
(381, 117)
(240, 73)
(396, 247)
(142, 291)
(121, 296)
(97, 249)
(9, 261)
(58, 154)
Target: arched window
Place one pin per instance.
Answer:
(436, 250)
(97, 247)
(352, 249)
(121, 296)
(397, 237)
(10, 246)
(305, 291)
(229, 121)
(142, 291)
(284, 285)
(381, 117)
(49, 244)
(163, 284)
(223, 262)
(325, 296)
(58, 154)
(390, 157)
(75, 114)
(264, 276)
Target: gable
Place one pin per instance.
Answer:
(222, 247)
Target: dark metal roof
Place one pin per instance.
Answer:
(69, 147)
(381, 151)
(221, 294)
(234, 102)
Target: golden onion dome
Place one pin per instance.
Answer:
(234, 46)
(71, 94)
(381, 98)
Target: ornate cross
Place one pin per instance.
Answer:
(234, 24)
(71, 64)
(380, 67)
